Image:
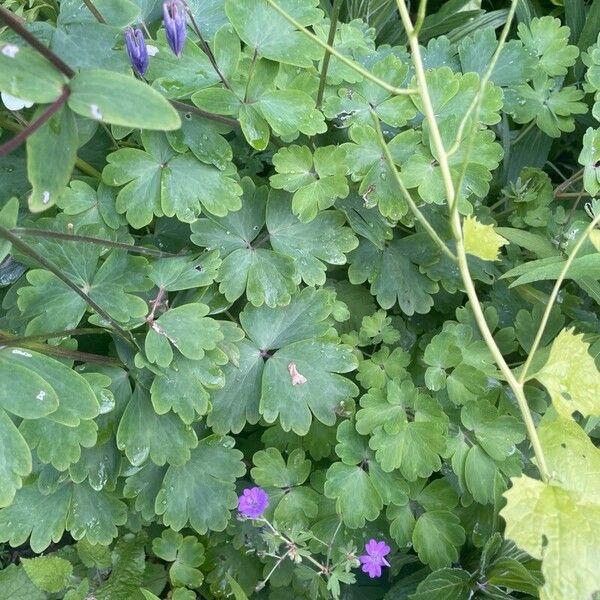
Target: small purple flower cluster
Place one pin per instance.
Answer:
(254, 501)
(174, 18)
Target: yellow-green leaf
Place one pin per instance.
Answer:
(481, 240)
(557, 522)
(570, 376)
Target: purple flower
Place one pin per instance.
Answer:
(374, 558)
(175, 24)
(136, 48)
(253, 502)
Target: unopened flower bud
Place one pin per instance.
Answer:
(136, 48)
(175, 24)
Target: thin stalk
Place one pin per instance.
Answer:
(523, 133)
(250, 75)
(206, 48)
(18, 243)
(550, 304)
(567, 182)
(477, 100)
(411, 203)
(344, 59)
(16, 340)
(330, 546)
(15, 24)
(86, 168)
(261, 584)
(57, 235)
(183, 107)
(335, 13)
(460, 248)
(22, 136)
(60, 352)
(97, 14)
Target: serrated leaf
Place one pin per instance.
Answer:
(48, 573)
(187, 329)
(393, 277)
(143, 434)
(481, 240)
(570, 376)
(265, 276)
(436, 538)
(201, 492)
(270, 35)
(16, 585)
(15, 459)
(159, 181)
(72, 507)
(450, 584)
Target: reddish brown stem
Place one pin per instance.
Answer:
(13, 22)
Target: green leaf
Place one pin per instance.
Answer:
(236, 588)
(550, 107)
(236, 403)
(15, 585)
(303, 378)
(184, 273)
(265, 31)
(271, 470)
(393, 277)
(265, 276)
(49, 172)
(120, 100)
(450, 584)
(254, 127)
(49, 573)
(548, 39)
(9, 215)
(15, 459)
(71, 507)
(589, 157)
(26, 74)
(76, 398)
(58, 444)
(208, 477)
(358, 484)
(514, 65)
(316, 180)
(159, 181)
(413, 446)
(109, 284)
(187, 329)
(496, 434)
(437, 537)
(570, 376)
(186, 554)
(143, 434)
(482, 240)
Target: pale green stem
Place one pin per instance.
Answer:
(553, 296)
(344, 59)
(460, 248)
(407, 197)
(477, 100)
(335, 13)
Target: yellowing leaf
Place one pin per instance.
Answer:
(557, 522)
(570, 376)
(481, 240)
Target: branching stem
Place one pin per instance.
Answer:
(344, 59)
(451, 196)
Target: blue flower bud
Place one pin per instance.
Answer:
(175, 24)
(136, 48)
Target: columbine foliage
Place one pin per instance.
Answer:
(299, 299)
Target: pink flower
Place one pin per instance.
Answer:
(374, 558)
(253, 502)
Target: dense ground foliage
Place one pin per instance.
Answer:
(299, 299)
